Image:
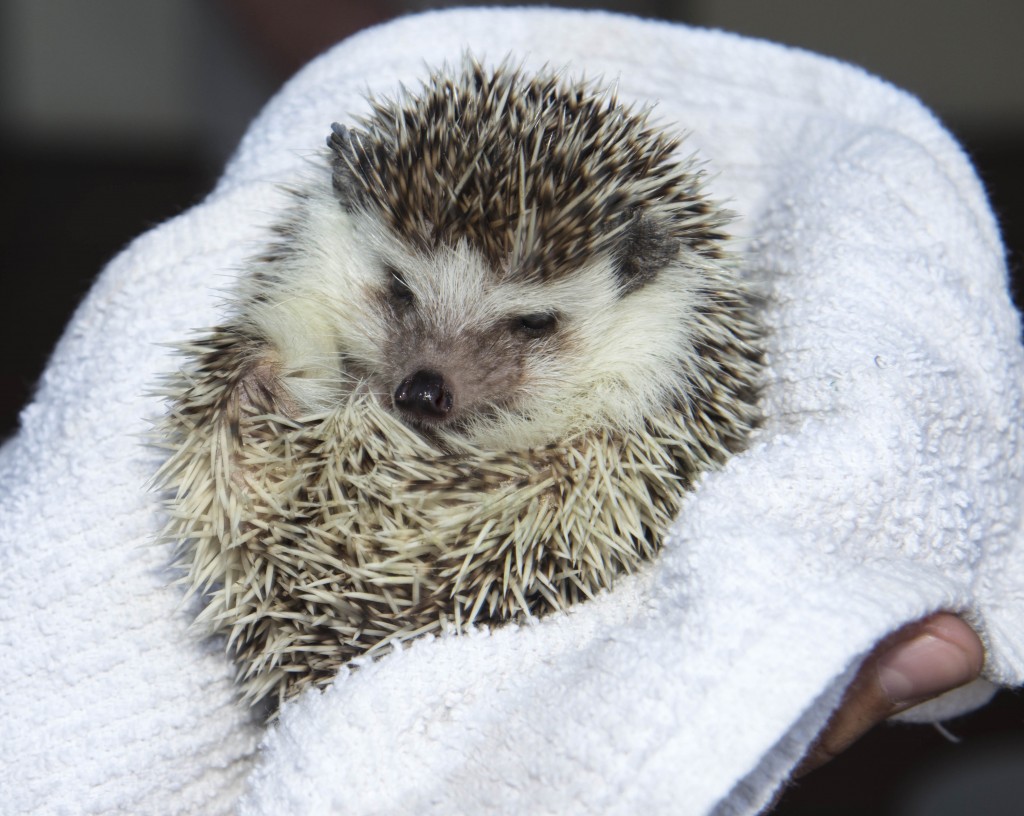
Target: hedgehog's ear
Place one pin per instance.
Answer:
(343, 166)
(645, 247)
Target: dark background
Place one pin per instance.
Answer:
(116, 115)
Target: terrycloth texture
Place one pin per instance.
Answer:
(885, 484)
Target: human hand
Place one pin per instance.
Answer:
(916, 663)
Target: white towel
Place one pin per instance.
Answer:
(885, 484)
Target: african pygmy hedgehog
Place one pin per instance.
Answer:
(469, 381)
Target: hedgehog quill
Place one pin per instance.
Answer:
(484, 356)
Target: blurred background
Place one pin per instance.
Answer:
(118, 114)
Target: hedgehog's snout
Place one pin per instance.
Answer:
(424, 396)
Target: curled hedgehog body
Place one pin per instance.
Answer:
(469, 381)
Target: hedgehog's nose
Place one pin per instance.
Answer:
(424, 395)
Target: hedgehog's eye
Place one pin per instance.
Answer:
(398, 289)
(536, 325)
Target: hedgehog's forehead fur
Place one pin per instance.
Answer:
(537, 174)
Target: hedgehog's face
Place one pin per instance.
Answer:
(507, 362)
(454, 347)
(458, 345)
(462, 348)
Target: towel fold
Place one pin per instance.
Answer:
(885, 483)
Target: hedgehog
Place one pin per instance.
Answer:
(489, 347)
